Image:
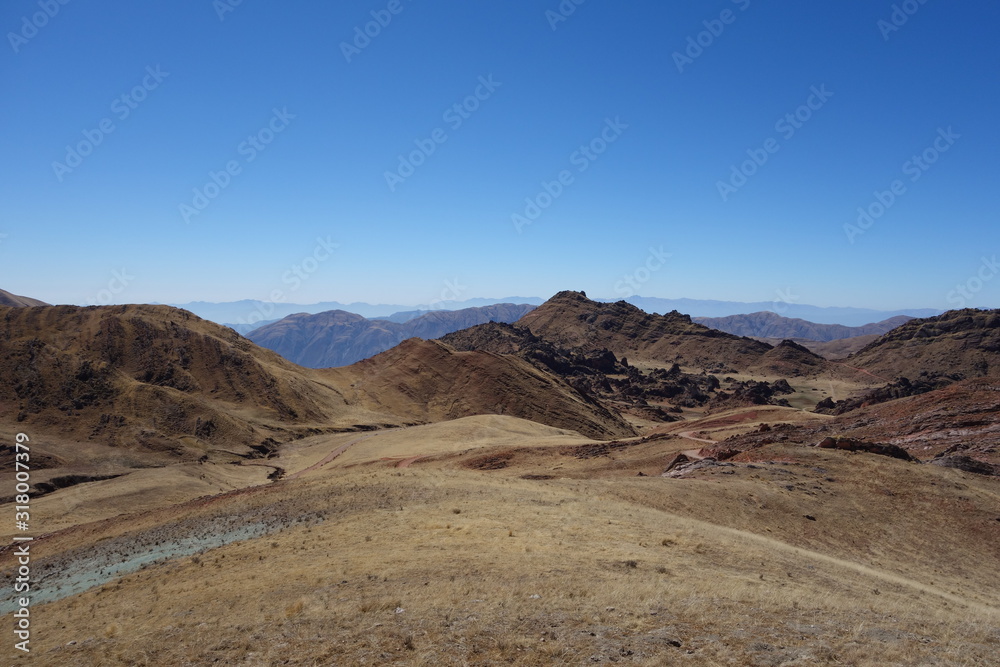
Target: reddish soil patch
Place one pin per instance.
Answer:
(406, 463)
(496, 461)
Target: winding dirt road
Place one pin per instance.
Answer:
(689, 435)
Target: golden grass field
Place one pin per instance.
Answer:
(508, 542)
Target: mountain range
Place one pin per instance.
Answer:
(163, 381)
(246, 315)
(252, 312)
(339, 338)
(160, 382)
(179, 471)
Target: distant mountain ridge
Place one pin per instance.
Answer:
(255, 311)
(247, 314)
(340, 338)
(771, 325)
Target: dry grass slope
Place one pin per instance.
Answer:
(582, 562)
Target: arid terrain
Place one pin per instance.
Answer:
(591, 484)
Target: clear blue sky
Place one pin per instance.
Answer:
(555, 85)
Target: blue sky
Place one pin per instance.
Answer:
(193, 87)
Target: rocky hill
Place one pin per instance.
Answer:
(427, 380)
(14, 301)
(339, 338)
(597, 373)
(572, 321)
(767, 324)
(963, 343)
(962, 419)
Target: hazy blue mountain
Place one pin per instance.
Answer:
(339, 338)
(769, 325)
(404, 316)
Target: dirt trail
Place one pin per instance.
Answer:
(861, 370)
(850, 565)
(331, 456)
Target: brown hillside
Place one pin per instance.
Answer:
(789, 359)
(153, 378)
(9, 300)
(431, 381)
(965, 342)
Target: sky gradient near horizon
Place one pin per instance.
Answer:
(223, 150)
